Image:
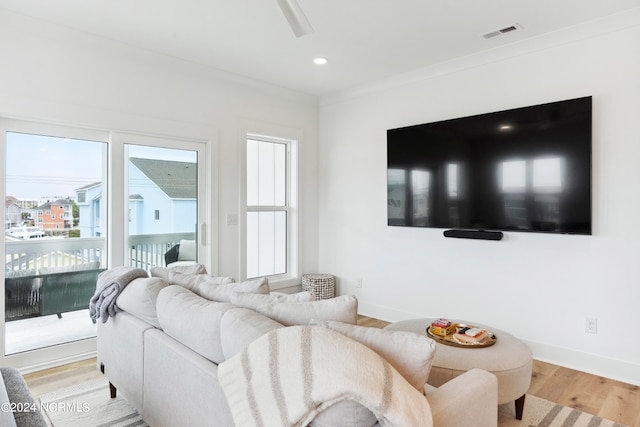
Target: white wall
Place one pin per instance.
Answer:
(538, 287)
(54, 74)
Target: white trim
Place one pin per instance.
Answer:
(614, 369)
(58, 362)
(293, 139)
(119, 141)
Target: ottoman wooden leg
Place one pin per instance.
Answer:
(520, 406)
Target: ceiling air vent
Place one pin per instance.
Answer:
(501, 31)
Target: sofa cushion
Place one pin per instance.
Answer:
(241, 326)
(192, 320)
(409, 353)
(341, 309)
(345, 413)
(139, 298)
(190, 268)
(253, 300)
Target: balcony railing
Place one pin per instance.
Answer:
(38, 253)
(147, 250)
(35, 287)
(144, 251)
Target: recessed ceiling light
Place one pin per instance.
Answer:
(506, 127)
(320, 60)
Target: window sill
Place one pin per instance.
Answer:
(284, 282)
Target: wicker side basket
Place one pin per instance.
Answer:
(322, 286)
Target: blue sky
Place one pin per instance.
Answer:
(43, 166)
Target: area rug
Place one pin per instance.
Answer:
(543, 413)
(88, 405)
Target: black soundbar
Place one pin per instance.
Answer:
(474, 234)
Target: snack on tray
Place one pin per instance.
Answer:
(471, 335)
(442, 327)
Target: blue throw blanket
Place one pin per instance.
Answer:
(109, 285)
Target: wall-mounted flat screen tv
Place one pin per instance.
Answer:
(526, 169)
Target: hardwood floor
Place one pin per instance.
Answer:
(595, 395)
(599, 396)
(43, 382)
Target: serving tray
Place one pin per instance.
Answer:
(452, 341)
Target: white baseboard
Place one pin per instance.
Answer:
(57, 362)
(594, 364)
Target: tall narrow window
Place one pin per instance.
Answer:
(268, 207)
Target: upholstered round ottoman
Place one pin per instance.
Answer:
(509, 359)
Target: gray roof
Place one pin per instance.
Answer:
(176, 179)
(85, 187)
(48, 205)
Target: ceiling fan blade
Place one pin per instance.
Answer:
(296, 18)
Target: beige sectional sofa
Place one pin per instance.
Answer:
(163, 348)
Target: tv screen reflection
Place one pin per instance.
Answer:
(533, 174)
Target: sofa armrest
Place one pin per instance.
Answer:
(470, 399)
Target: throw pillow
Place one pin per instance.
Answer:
(184, 269)
(222, 292)
(409, 353)
(139, 298)
(341, 309)
(188, 250)
(193, 281)
(216, 288)
(254, 300)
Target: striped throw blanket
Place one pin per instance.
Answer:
(290, 375)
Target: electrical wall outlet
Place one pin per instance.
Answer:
(359, 283)
(591, 325)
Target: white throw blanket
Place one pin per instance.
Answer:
(288, 376)
(109, 285)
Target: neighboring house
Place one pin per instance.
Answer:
(54, 215)
(162, 196)
(12, 213)
(89, 209)
(162, 199)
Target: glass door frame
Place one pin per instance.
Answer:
(119, 182)
(72, 351)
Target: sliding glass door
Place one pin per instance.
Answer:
(78, 201)
(54, 238)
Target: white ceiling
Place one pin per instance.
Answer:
(364, 40)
